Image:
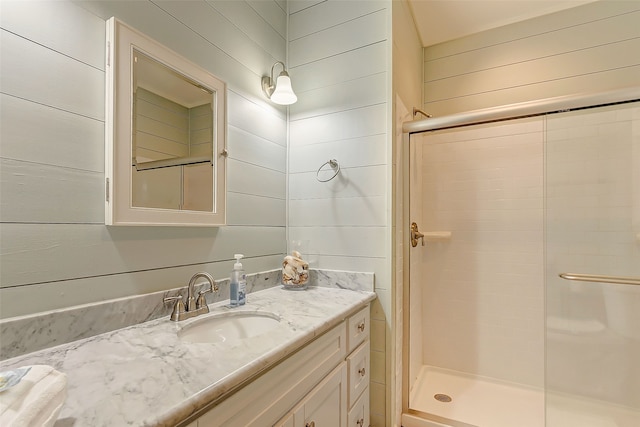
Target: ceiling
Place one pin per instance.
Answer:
(442, 20)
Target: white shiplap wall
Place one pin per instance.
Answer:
(55, 250)
(587, 49)
(339, 62)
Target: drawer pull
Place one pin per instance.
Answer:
(361, 327)
(360, 422)
(311, 424)
(361, 371)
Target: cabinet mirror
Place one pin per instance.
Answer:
(165, 135)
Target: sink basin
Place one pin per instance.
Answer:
(228, 327)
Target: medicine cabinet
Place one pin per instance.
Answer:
(165, 135)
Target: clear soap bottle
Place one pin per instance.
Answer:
(238, 283)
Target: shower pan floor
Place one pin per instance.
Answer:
(486, 402)
(475, 400)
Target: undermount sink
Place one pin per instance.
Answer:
(228, 327)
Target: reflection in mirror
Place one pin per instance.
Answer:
(165, 135)
(172, 149)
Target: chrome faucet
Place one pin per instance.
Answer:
(194, 307)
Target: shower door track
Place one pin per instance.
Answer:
(523, 109)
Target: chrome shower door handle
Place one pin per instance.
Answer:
(415, 235)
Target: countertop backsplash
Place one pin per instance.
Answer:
(25, 334)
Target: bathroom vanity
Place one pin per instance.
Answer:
(310, 367)
(325, 383)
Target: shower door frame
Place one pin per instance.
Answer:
(476, 117)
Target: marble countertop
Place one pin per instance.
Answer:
(144, 375)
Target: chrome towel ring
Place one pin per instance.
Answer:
(334, 165)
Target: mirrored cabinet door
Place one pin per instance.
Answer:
(165, 135)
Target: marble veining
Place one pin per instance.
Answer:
(354, 281)
(26, 334)
(143, 375)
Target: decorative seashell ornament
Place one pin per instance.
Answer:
(295, 271)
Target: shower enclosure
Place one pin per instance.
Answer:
(522, 306)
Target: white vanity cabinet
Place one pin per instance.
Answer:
(324, 384)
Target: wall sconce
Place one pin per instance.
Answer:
(279, 91)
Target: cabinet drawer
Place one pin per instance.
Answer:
(358, 327)
(359, 414)
(358, 372)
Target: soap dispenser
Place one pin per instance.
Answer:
(238, 283)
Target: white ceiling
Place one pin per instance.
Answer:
(442, 20)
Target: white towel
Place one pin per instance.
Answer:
(36, 400)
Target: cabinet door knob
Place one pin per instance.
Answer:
(360, 422)
(311, 424)
(361, 327)
(361, 371)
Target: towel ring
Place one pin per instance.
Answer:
(334, 164)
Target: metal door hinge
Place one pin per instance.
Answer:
(107, 189)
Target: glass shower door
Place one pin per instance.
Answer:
(592, 228)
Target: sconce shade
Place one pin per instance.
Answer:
(279, 91)
(283, 94)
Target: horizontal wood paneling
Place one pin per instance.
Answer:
(347, 241)
(364, 121)
(210, 54)
(74, 86)
(32, 132)
(66, 293)
(351, 182)
(338, 211)
(364, 151)
(587, 49)
(246, 178)
(247, 209)
(34, 253)
(536, 47)
(610, 80)
(256, 119)
(33, 192)
(330, 14)
(547, 23)
(258, 30)
(203, 18)
(66, 28)
(343, 96)
(253, 149)
(599, 59)
(273, 14)
(54, 243)
(363, 31)
(351, 65)
(296, 6)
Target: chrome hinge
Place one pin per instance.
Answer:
(107, 189)
(108, 53)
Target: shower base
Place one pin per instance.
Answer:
(476, 401)
(486, 402)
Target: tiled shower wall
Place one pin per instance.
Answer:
(482, 289)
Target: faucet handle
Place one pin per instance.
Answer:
(178, 308)
(202, 302)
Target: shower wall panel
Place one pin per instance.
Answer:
(593, 227)
(483, 290)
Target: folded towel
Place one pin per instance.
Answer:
(36, 400)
